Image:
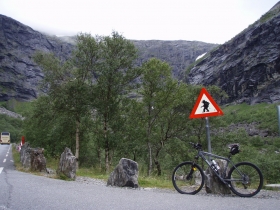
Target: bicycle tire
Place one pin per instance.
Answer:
(191, 185)
(251, 181)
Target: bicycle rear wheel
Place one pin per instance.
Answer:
(246, 179)
(188, 178)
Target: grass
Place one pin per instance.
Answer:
(16, 157)
(92, 173)
(263, 113)
(143, 181)
(157, 182)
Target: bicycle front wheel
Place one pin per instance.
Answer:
(246, 179)
(188, 178)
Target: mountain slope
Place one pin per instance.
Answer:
(248, 66)
(20, 76)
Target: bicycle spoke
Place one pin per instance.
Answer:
(246, 179)
(188, 179)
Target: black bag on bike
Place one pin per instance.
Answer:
(234, 149)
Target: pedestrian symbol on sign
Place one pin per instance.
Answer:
(205, 105)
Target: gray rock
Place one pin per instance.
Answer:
(125, 174)
(25, 157)
(10, 113)
(38, 161)
(20, 75)
(32, 158)
(213, 183)
(67, 164)
(178, 54)
(247, 66)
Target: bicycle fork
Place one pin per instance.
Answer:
(190, 174)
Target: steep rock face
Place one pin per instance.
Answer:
(19, 75)
(178, 54)
(248, 66)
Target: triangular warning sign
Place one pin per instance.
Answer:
(205, 106)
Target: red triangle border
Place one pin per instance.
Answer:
(206, 114)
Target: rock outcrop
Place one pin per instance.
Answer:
(125, 174)
(20, 76)
(67, 164)
(213, 184)
(32, 158)
(178, 54)
(10, 113)
(247, 67)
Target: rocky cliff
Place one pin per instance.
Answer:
(178, 54)
(20, 76)
(248, 66)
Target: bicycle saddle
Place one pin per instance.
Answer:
(234, 148)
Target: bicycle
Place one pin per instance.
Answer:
(244, 179)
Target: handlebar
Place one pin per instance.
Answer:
(197, 146)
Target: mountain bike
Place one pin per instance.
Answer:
(244, 179)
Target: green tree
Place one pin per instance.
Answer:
(43, 127)
(173, 122)
(68, 83)
(113, 79)
(160, 94)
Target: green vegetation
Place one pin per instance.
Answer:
(88, 110)
(16, 157)
(262, 151)
(267, 16)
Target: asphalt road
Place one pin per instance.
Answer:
(20, 191)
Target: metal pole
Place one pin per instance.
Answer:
(208, 134)
(278, 112)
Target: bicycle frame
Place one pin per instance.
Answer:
(206, 157)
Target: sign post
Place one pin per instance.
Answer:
(208, 134)
(278, 112)
(205, 106)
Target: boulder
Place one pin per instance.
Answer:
(213, 183)
(32, 158)
(25, 156)
(38, 161)
(67, 164)
(125, 174)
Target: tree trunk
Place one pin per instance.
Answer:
(77, 142)
(106, 148)
(157, 162)
(99, 157)
(150, 166)
(158, 167)
(107, 159)
(111, 155)
(134, 156)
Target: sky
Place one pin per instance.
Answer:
(211, 21)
